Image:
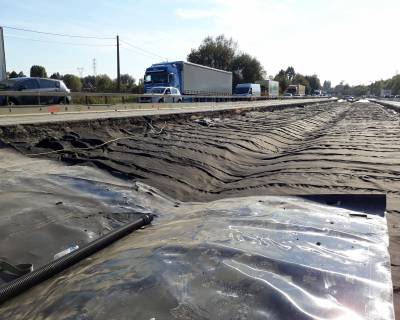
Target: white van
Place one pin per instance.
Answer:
(248, 90)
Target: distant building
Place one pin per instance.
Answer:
(386, 93)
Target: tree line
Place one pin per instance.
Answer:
(289, 76)
(219, 52)
(374, 88)
(99, 83)
(222, 53)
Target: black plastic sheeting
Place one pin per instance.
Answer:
(264, 257)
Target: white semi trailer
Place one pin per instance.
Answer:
(269, 88)
(189, 78)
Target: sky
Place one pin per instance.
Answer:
(355, 41)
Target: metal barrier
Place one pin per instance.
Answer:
(74, 112)
(123, 95)
(118, 102)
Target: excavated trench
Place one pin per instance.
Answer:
(334, 148)
(327, 148)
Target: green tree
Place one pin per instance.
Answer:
(315, 83)
(216, 53)
(38, 71)
(89, 83)
(12, 75)
(127, 82)
(290, 74)
(104, 83)
(246, 69)
(300, 79)
(346, 90)
(327, 86)
(283, 81)
(222, 53)
(139, 88)
(394, 85)
(72, 82)
(339, 88)
(376, 87)
(359, 90)
(56, 76)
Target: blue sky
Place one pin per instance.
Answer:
(351, 40)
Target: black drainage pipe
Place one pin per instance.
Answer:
(27, 281)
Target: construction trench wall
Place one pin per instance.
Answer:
(320, 148)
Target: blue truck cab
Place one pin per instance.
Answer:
(163, 75)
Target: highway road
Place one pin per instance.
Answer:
(33, 115)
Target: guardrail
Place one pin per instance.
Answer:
(13, 114)
(387, 99)
(124, 95)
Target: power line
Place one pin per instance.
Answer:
(60, 42)
(79, 36)
(143, 54)
(146, 51)
(58, 34)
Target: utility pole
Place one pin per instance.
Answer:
(3, 71)
(118, 70)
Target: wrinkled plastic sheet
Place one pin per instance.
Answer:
(266, 257)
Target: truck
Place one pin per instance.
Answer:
(189, 78)
(269, 88)
(386, 93)
(248, 90)
(296, 90)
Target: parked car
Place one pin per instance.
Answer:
(33, 84)
(161, 95)
(287, 94)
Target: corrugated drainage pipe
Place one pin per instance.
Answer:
(35, 277)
